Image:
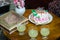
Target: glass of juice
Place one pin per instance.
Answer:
(33, 33)
(21, 28)
(45, 32)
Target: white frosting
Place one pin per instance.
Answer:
(43, 17)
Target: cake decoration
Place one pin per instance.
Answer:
(40, 16)
(46, 10)
(34, 12)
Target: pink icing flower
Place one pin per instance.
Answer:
(41, 19)
(36, 19)
(46, 18)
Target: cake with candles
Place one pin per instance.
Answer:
(40, 16)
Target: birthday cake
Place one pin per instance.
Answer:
(40, 16)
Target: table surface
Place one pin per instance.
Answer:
(54, 27)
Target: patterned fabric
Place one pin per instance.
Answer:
(4, 2)
(55, 7)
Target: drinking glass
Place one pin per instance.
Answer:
(21, 29)
(45, 32)
(33, 33)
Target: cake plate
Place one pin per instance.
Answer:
(50, 19)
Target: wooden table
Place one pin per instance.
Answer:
(54, 27)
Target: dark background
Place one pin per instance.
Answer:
(29, 4)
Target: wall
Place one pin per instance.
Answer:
(33, 4)
(36, 3)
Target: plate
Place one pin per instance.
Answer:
(50, 19)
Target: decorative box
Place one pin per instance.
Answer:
(11, 20)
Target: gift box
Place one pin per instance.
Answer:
(11, 20)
